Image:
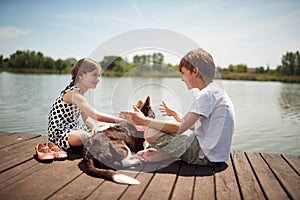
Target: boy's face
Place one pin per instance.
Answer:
(188, 78)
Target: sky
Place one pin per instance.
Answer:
(255, 33)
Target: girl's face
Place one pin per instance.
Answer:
(91, 79)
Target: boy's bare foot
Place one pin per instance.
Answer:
(153, 155)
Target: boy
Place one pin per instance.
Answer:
(211, 116)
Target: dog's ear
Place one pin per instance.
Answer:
(147, 101)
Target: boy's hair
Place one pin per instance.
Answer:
(82, 66)
(202, 60)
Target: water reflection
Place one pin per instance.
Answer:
(267, 113)
(289, 101)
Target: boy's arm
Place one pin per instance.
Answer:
(138, 118)
(170, 112)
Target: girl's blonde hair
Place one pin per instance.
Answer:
(82, 66)
(202, 60)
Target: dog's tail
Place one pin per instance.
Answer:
(89, 168)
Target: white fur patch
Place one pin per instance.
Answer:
(130, 159)
(123, 179)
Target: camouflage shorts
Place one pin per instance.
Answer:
(184, 146)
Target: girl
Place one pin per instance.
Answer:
(64, 128)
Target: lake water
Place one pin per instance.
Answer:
(267, 113)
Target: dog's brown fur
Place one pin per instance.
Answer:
(110, 149)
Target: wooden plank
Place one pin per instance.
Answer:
(204, 183)
(20, 172)
(107, 190)
(43, 183)
(2, 134)
(226, 182)
(268, 181)
(286, 175)
(185, 182)
(80, 188)
(162, 183)
(14, 138)
(250, 188)
(15, 154)
(294, 161)
(145, 176)
(111, 190)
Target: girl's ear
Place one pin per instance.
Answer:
(80, 77)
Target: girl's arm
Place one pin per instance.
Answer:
(78, 99)
(138, 118)
(90, 122)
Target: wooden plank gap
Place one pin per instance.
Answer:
(95, 189)
(236, 176)
(10, 167)
(63, 186)
(184, 185)
(149, 182)
(256, 176)
(20, 139)
(215, 185)
(137, 174)
(172, 190)
(277, 177)
(289, 162)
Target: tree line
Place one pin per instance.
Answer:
(151, 64)
(290, 66)
(34, 62)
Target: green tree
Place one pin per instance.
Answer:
(1, 62)
(49, 63)
(60, 65)
(109, 62)
(290, 64)
(157, 59)
(260, 70)
(238, 68)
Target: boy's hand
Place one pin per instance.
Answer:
(166, 110)
(169, 112)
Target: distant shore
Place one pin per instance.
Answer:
(222, 75)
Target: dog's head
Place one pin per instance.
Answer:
(145, 107)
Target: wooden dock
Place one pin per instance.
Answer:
(246, 176)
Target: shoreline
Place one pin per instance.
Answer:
(222, 75)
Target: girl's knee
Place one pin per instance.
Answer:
(77, 138)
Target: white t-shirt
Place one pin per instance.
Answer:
(215, 126)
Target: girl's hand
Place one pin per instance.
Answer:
(136, 117)
(95, 129)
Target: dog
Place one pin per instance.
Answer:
(113, 148)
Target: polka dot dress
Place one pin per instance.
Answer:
(64, 118)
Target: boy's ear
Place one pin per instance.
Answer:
(196, 72)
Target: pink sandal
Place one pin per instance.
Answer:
(57, 152)
(43, 152)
